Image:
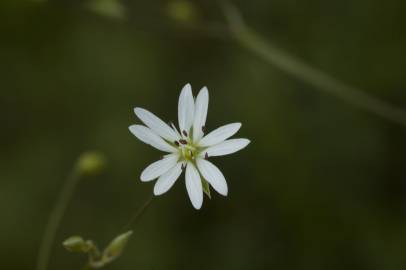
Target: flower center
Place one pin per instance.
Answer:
(187, 150)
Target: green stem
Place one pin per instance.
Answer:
(55, 218)
(301, 70)
(138, 213)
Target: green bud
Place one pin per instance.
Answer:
(91, 163)
(116, 247)
(109, 8)
(182, 11)
(76, 244)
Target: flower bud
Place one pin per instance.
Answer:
(182, 11)
(91, 163)
(116, 247)
(76, 244)
(108, 8)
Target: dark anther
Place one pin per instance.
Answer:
(206, 156)
(184, 133)
(177, 143)
(204, 129)
(183, 141)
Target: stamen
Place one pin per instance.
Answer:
(204, 129)
(182, 141)
(177, 143)
(184, 133)
(206, 156)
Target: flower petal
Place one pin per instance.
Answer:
(156, 124)
(146, 135)
(225, 148)
(194, 186)
(166, 181)
(201, 106)
(220, 134)
(186, 108)
(159, 167)
(213, 175)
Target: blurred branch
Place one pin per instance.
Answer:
(88, 163)
(55, 219)
(322, 81)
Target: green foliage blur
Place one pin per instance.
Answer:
(321, 186)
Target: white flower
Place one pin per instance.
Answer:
(189, 148)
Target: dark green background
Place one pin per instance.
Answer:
(321, 186)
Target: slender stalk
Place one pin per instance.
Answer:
(322, 81)
(138, 213)
(55, 218)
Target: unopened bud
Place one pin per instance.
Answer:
(76, 244)
(116, 247)
(91, 163)
(182, 11)
(108, 8)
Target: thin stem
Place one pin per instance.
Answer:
(138, 213)
(55, 218)
(305, 72)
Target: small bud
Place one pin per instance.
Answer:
(108, 8)
(184, 133)
(182, 11)
(76, 244)
(182, 141)
(116, 247)
(91, 163)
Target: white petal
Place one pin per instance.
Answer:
(186, 108)
(156, 124)
(194, 186)
(146, 135)
(220, 134)
(202, 103)
(225, 148)
(213, 175)
(166, 181)
(159, 167)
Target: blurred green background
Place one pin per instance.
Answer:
(321, 186)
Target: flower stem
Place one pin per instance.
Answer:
(322, 81)
(55, 218)
(138, 213)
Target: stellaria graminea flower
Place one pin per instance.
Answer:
(189, 148)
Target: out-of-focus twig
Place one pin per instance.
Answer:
(55, 218)
(297, 68)
(89, 163)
